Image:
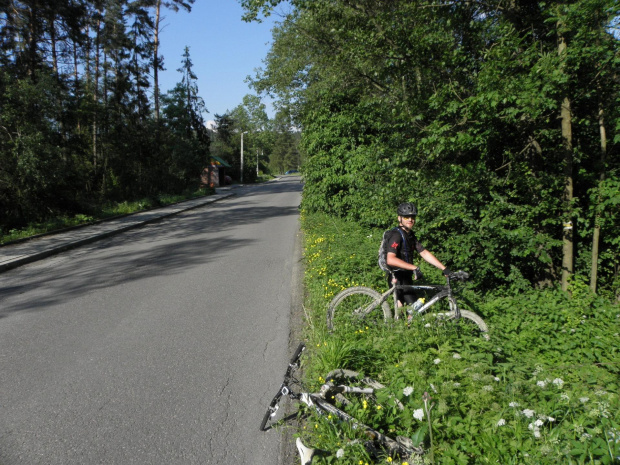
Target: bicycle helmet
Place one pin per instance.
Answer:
(407, 209)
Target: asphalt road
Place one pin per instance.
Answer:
(161, 345)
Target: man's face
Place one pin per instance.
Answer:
(407, 222)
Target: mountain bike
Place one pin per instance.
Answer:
(325, 403)
(360, 305)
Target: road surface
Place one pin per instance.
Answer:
(161, 345)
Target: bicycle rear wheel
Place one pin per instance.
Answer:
(271, 416)
(355, 307)
(469, 322)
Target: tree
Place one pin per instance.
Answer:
(183, 109)
(465, 101)
(158, 63)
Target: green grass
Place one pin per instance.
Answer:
(98, 213)
(542, 390)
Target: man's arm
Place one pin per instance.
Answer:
(395, 262)
(430, 258)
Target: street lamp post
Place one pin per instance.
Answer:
(241, 175)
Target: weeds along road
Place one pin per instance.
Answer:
(157, 346)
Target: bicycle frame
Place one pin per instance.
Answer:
(319, 402)
(443, 292)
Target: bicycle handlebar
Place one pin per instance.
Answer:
(459, 275)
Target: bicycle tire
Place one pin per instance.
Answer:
(466, 315)
(347, 305)
(274, 405)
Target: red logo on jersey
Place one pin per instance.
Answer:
(394, 245)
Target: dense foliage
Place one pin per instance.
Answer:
(543, 389)
(77, 125)
(499, 119)
(83, 122)
(270, 145)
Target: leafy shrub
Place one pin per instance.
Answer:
(543, 388)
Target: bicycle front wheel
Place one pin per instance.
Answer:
(271, 417)
(355, 307)
(469, 321)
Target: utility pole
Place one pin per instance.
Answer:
(241, 175)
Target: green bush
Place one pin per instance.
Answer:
(543, 389)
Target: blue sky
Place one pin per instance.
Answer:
(223, 48)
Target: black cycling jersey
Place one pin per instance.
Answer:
(404, 251)
(394, 244)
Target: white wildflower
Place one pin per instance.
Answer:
(558, 382)
(585, 436)
(513, 404)
(437, 361)
(550, 419)
(340, 453)
(565, 396)
(487, 388)
(408, 390)
(536, 433)
(496, 379)
(528, 413)
(427, 325)
(501, 422)
(541, 384)
(600, 393)
(546, 449)
(538, 423)
(583, 400)
(456, 356)
(457, 384)
(418, 414)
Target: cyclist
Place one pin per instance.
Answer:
(400, 244)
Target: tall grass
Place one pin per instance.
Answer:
(542, 390)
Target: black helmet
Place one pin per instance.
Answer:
(407, 209)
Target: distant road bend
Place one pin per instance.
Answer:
(160, 345)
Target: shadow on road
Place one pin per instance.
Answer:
(170, 246)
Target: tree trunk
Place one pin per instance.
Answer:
(32, 41)
(567, 197)
(53, 47)
(597, 217)
(76, 77)
(156, 59)
(96, 92)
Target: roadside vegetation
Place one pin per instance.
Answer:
(500, 120)
(103, 212)
(542, 390)
(85, 126)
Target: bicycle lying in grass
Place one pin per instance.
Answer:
(361, 305)
(325, 402)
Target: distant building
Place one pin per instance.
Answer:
(215, 173)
